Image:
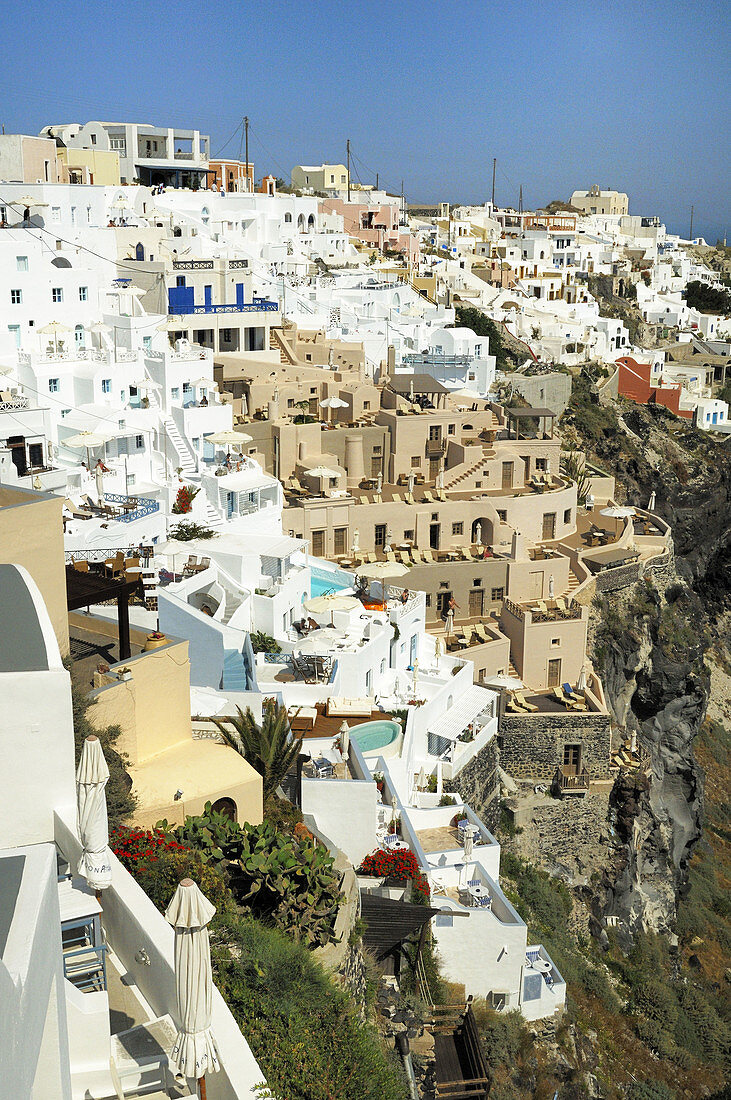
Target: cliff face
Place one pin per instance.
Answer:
(656, 689)
(651, 645)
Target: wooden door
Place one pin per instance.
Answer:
(477, 603)
(507, 475)
(535, 586)
(572, 759)
(434, 536)
(340, 541)
(549, 525)
(554, 672)
(318, 544)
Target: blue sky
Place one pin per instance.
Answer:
(630, 95)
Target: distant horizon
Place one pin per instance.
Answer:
(634, 97)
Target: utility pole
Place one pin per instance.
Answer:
(690, 235)
(376, 181)
(347, 146)
(520, 200)
(246, 132)
(494, 164)
(403, 208)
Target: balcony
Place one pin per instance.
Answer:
(568, 782)
(435, 447)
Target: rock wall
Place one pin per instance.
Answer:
(479, 785)
(531, 746)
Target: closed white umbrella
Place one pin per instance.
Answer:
(551, 587)
(440, 479)
(449, 625)
(469, 839)
(652, 502)
(356, 541)
(438, 648)
(92, 774)
(194, 1052)
(510, 683)
(379, 482)
(581, 682)
(345, 740)
(412, 481)
(478, 534)
(421, 779)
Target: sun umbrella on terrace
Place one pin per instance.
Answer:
(194, 1052)
(322, 471)
(52, 329)
(92, 774)
(171, 549)
(89, 440)
(28, 200)
(618, 512)
(229, 438)
(331, 601)
(377, 570)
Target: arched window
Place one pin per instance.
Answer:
(311, 222)
(79, 336)
(301, 222)
(139, 251)
(205, 215)
(287, 218)
(177, 231)
(225, 806)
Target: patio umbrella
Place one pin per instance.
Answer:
(171, 549)
(617, 511)
(356, 541)
(469, 840)
(332, 403)
(331, 601)
(145, 384)
(652, 501)
(438, 648)
(377, 570)
(379, 482)
(440, 479)
(345, 739)
(416, 674)
(319, 641)
(551, 587)
(421, 778)
(52, 329)
(28, 200)
(229, 438)
(194, 1052)
(449, 624)
(92, 774)
(203, 383)
(412, 481)
(322, 471)
(478, 534)
(87, 440)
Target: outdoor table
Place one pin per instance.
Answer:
(345, 562)
(541, 965)
(478, 892)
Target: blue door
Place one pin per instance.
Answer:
(414, 649)
(230, 504)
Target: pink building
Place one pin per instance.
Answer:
(374, 223)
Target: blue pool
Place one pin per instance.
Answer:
(374, 736)
(319, 585)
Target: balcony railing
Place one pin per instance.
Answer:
(144, 507)
(260, 305)
(14, 404)
(567, 781)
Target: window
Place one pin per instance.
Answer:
(180, 280)
(186, 387)
(555, 641)
(502, 515)
(457, 528)
(428, 599)
(83, 293)
(290, 402)
(53, 385)
(93, 139)
(497, 594)
(55, 213)
(379, 535)
(226, 335)
(415, 461)
(540, 464)
(450, 429)
(567, 516)
(366, 406)
(16, 297)
(477, 583)
(435, 517)
(21, 263)
(106, 385)
(287, 218)
(14, 331)
(175, 393)
(408, 536)
(57, 294)
(139, 441)
(377, 450)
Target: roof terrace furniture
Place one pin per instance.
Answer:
(518, 695)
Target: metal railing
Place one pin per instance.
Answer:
(262, 306)
(145, 506)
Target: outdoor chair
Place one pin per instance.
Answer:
(481, 632)
(428, 497)
(364, 499)
(81, 566)
(77, 511)
(390, 556)
(416, 555)
(561, 605)
(190, 565)
(441, 495)
(409, 498)
(542, 607)
(468, 635)
(524, 702)
(397, 498)
(390, 840)
(294, 482)
(428, 557)
(204, 563)
(465, 553)
(569, 691)
(405, 559)
(513, 706)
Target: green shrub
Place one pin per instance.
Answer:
(282, 814)
(159, 876)
(303, 1030)
(649, 1090)
(121, 802)
(656, 1000)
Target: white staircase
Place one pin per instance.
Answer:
(212, 517)
(185, 457)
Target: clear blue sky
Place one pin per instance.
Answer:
(630, 95)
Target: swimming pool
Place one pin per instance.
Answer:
(374, 737)
(320, 584)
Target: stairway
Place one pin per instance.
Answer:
(234, 673)
(229, 606)
(212, 517)
(185, 458)
(450, 483)
(574, 582)
(278, 342)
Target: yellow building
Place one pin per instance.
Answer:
(320, 177)
(174, 773)
(100, 166)
(31, 535)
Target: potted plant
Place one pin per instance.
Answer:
(124, 673)
(154, 641)
(380, 784)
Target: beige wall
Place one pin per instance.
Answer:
(153, 708)
(98, 166)
(31, 535)
(531, 645)
(36, 152)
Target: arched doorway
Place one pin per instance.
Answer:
(311, 223)
(225, 806)
(301, 223)
(139, 251)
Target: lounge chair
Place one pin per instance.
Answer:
(409, 498)
(364, 499)
(513, 705)
(441, 495)
(542, 607)
(405, 559)
(378, 499)
(571, 694)
(294, 482)
(397, 498)
(468, 635)
(390, 556)
(204, 564)
(524, 702)
(559, 696)
(561, 604)
(428, 557)
(77, 511)
(191, 565)
(465, 553)
(481, 632)
(370, 558)
(416, 556)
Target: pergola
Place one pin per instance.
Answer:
(85, 589)
(541, 415)
(421, 385)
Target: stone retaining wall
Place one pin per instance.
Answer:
(478, 784)
(531, 746)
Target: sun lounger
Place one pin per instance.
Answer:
(441, 495)
(561, 604)
(559, 696)
(390, 556)
(542, 607)
(77, 511)
(428, 497)
(364, 499)
(524, 702)
(405, 559)
(416, 556)
(468, 635)
(428, 556)
(378, 499)
(396, 499)
(465, 553)
(296, 485)
(409, 498)
(513, 704)
(571, 694)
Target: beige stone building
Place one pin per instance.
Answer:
(597, 201)
(320, 177)
(174, 773)
(31, 535)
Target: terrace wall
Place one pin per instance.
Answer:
(478, 785)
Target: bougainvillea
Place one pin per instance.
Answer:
(399, 865)
(132, 845)
(184, 499)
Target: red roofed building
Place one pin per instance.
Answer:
(635, 383)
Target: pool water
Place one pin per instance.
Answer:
(375, 735)
(320, 585)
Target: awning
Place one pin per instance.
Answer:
(390, 922)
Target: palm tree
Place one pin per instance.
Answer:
(271, 748)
